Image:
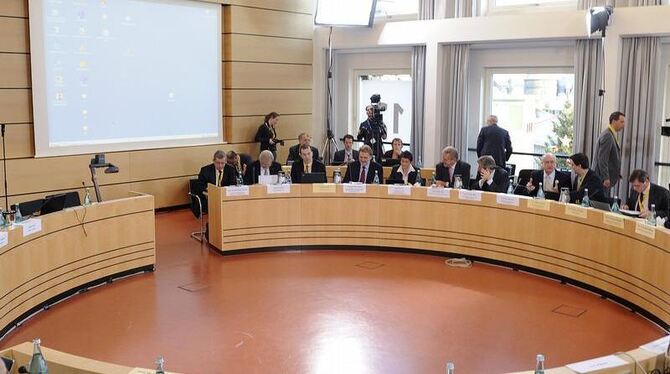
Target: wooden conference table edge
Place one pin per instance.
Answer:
(259, 193)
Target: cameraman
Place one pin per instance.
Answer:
(372, 132)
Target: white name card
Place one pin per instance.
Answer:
(237, 191)
(354, 188)
(401, 190)
(278, 188)
(470, 195)
(4, 238)
(504, 199)
(538, 204)
(323, 188)
(575, 211)
(596, 364)
(613, 219)
(267, 179)
(658, 347)
(642, 228)
(31, 226)
(439, 192)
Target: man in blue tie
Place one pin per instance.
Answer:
(364, 169)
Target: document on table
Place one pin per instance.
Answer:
(599, 363)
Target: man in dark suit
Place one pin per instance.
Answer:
(607, 162)
(372, 132)
(644, 194)
(586, 179)
(552, 180)
(294, 152)
(307, 164)
(490, 177)
(218, 173)
(348, 154)
(450, 167)
(267, 134)
(364, 169)
(494, 141)
(266, 165)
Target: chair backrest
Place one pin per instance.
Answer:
(524, 176)
(195, 199)
(28, 208)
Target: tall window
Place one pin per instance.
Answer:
(536, 107)
(524, 6)
(396, 92)
(663, 157)
(397, 9)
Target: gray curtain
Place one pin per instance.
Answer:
(588, 105)
(586, 4)
(426, 11)
(639, 77)
(454, 114)
(464, 8)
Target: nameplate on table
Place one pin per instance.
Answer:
(4, 238)
(613, 219)
(600, 363)
(470, 195)
(323, 188)
(538, 204)
(278, 188)
(31, 226)
(644, 229)
(575, 211)
(504, 199)
(237, 191)
(439, 192)
(658, 346)
(399, 190)
(354, 188)
(267, 179)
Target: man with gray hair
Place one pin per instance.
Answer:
(451, 167)
(264, 166)
(490, 177)
(294, 152)
(494, 141)
(552, 179)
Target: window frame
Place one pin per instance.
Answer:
(489, 8)
(397, 17)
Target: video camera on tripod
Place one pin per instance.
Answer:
(377, 107)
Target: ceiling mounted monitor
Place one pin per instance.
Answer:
(345, 12)
(598, 18)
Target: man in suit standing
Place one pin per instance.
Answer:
(607, 163)
(490, 177)
(552, 180)
(364, 169)
(267, 134)
(450, 167)
(348, 154)
(586, 179)
(494, 141)
(645, 194)
(372, 132)
(307, 164)
(294, 152)
(265, 166)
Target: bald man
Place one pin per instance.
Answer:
(552, 179)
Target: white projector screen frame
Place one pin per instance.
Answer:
(41, 120)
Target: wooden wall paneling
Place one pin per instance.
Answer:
(250, 75)
(166, 192)
(238, 47)
(15, 105)
(243, 20)
(243, 129)
(301, 6)
(19, 139)
(14, 35)
(14, 70)
(14, 8)
(261, 102)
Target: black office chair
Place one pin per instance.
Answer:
(524, 176)
(29, 208)
(197, 210)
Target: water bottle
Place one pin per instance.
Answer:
(160, 365)
(586, 202)
(376, 180)
(510, 187)
(540, 192)
(458, 182)
(17, 215)
(565, 195)
(450, 368)
(539, 365)
(433, 180)
(239, 180)
(288, 179)
(38, 365)
(615, 205)
(87, 198)
(281, 178)
(3, 222)
(337, 177)
(418, 178)
(651, 217)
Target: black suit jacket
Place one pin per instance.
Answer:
(495, 142)
(562, 178)
(298, 169)
(264, 134)
(294, 153)
(208, 175)
(500, 181)
(594, 184)
(658, 196)
(411, 178)
(354, 171)
(461, 168)
(339, 156)
(254, 170)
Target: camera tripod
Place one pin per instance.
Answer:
(328, 146)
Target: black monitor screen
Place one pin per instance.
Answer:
(313, 178)
(53, 203)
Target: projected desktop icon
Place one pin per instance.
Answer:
(83, 64)
(56, 29)
(84, 113)
(81, 15)
(104, 16)
(84, 96)
(54, 12)
(59, 79)
(105, 32)
(84, 128)
(82, 30)
(83, 80)
(60, 96)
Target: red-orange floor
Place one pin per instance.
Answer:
(330, 312)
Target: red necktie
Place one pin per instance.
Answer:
(363, 174)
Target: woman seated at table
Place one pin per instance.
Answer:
(395, 151)
(404, 172)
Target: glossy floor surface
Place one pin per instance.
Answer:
(330, 312)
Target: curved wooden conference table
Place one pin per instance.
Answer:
(619, 257)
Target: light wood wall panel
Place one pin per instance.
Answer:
(243, 20)
(298, 6)
(261, 102)
(15, 106)
(267, 76)
(14, 35)
(19, 139)
(238, 47)
(14, 70)
(288, 128)
(14, 8)
(166, 192)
